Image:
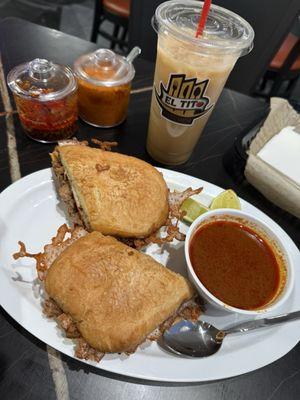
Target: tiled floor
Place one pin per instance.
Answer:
(74, 17)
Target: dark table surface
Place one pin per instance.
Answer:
(31, 370)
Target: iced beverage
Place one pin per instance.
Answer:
(190, 75)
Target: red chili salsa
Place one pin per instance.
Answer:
(235, 264)
(48, 121)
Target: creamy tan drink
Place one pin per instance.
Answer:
(189, 76)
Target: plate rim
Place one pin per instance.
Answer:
(44, 176)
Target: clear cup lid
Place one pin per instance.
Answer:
(224, 30)
(41, 79)
(104, 68)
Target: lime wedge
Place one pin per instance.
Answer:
(193, 209)
(226, 199)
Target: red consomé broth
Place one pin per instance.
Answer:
(235, 264)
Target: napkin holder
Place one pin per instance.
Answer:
(274, 185)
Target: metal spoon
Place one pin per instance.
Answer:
(201, 339)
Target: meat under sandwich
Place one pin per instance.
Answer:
(107, 295)
(113, 193)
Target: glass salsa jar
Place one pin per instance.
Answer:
(46, 99)
(104, 83)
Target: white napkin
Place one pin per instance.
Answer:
(274, 157)
(282, 152)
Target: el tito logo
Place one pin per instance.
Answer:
(183, 100)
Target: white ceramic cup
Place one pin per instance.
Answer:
(260, 227)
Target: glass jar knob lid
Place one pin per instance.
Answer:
(41, 79)
(41, 69)
(105, 59)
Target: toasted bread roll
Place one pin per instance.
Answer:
(113, 193)
(114, 294)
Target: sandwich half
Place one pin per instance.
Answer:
(106, 294)
(108, 192)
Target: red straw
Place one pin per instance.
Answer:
(203, 17)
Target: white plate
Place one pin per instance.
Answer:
(30, 212)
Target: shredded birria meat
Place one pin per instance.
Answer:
(104, 145)
(64, 187)
(64, 238)
(51, 251)
(51, 309)
(85, 352)
(170, 230)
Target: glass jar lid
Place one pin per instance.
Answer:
(42, 79)
(224, 30)
(104, 68)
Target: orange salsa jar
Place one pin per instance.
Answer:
(104, 83)
(46, 99)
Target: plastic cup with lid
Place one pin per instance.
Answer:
(190, 73)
